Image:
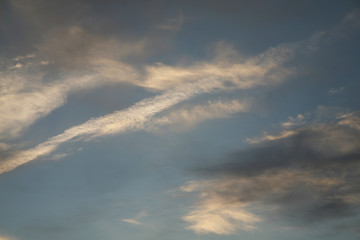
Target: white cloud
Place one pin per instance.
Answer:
(262, 70)
(350, 120)
(186, 117)
(267, 137)
(186, 84)
(295, 121)
(137, 219)
(19, 58)
(132, 221)
(303, 174)
(132, 118)
(225, 204)
(216, 214)
(219, 218)
(25, 97)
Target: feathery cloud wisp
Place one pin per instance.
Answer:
(178, 83)
(186, 117)
(134, 118)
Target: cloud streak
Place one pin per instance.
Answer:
(184, 85)
(187, 117)
(177, 84)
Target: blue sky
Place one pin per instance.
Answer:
(179, 120)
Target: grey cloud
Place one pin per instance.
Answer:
(308, 177)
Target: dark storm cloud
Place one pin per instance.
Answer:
(309, 176)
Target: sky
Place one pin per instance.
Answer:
(179, 120)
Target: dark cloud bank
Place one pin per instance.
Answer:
(309, 177)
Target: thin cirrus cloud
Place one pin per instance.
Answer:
(177, 84)
(137, 219)
(309, 176)
(189, 83)
(26, 94)
(187, 117)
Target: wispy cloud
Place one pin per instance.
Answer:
(26, 93)
(137, 219)
(172, 24)
(177, 83)
(132, 221)
(294, 121)
(350, 119)
(185, 85)
(336, 90)
(186, 117)
(267, 137)
(215, 214)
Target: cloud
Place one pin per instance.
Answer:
(172, 24)
(70, 59)
(184, 85)
(351, 120)
(33, 85)
(137, 219)
(267, 137)
(294, 121)
(214, 215)
(133, 221)
(336, 90)
(32, 97)
(347, 27)
(132, 118)
(307, 177)
(26, 97)
(262, 70)
(186, 117)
